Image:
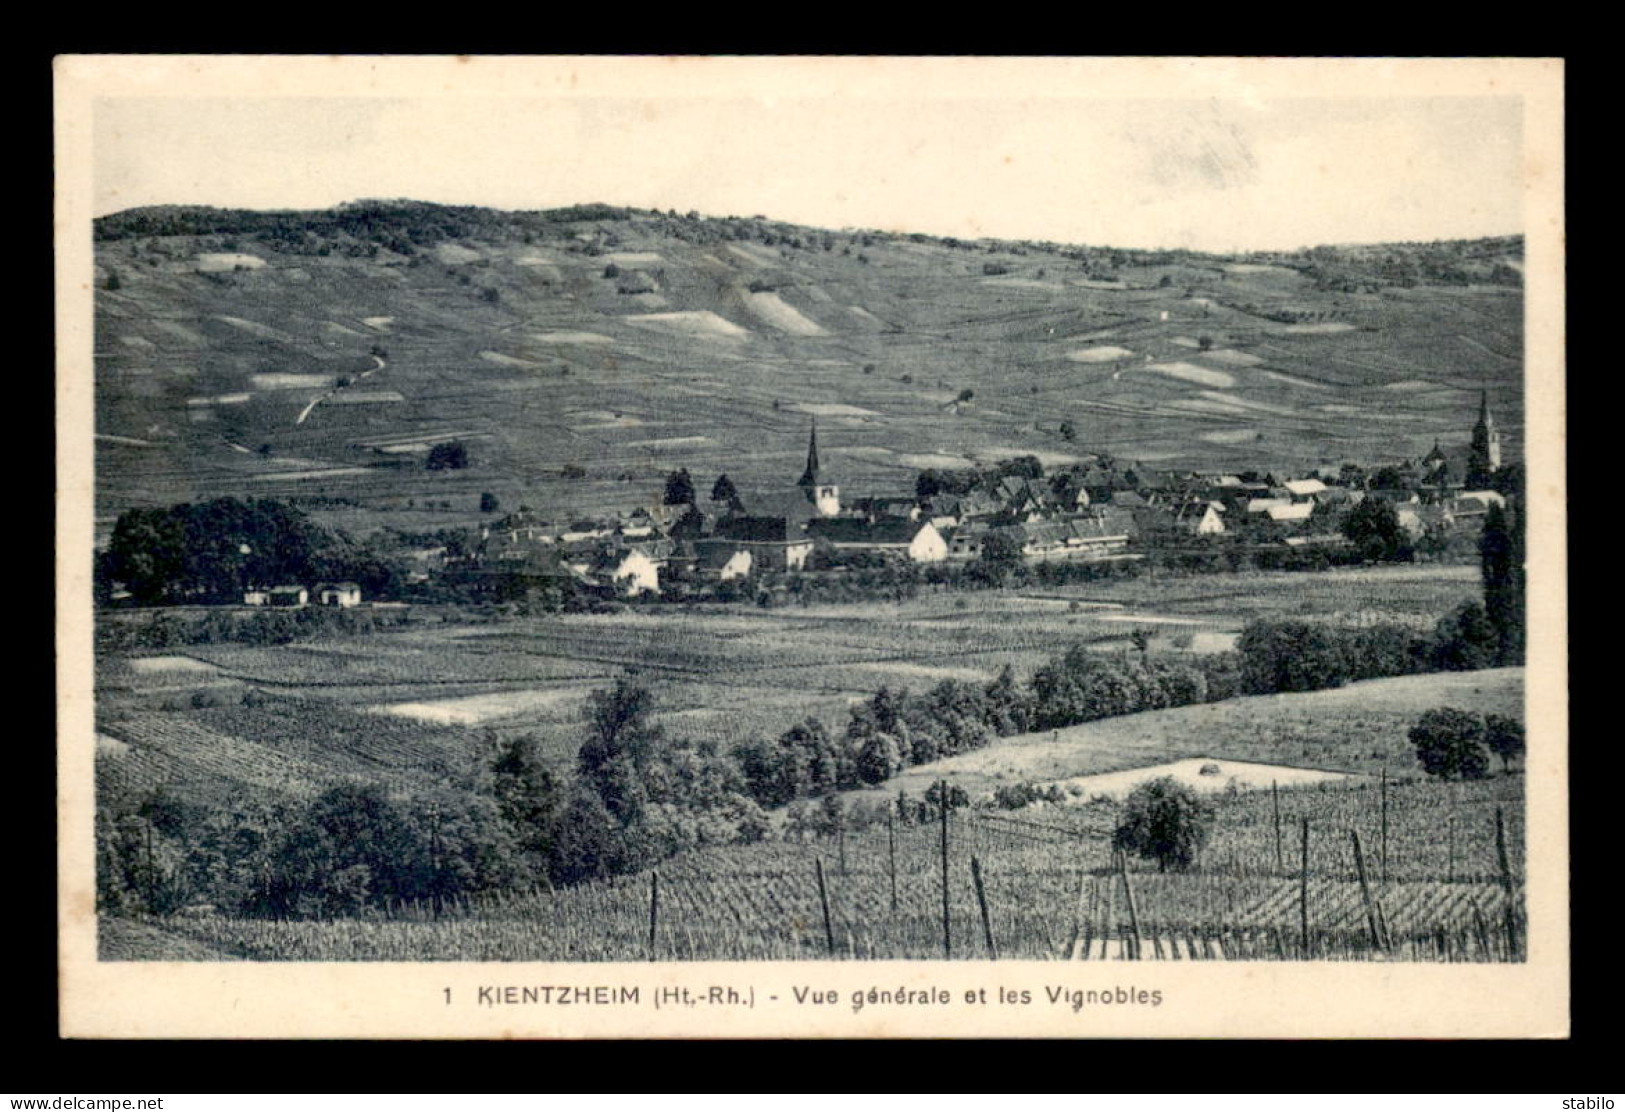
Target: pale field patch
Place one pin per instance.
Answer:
(569, 337)
(833, 409)
(214, 262)
(771, 310)
(1229, 436)
(701, 323)
(151, 664)
(503, 360)
(471, 710)
(1244, 775)
(284, 380)
(1323, 328)
(925, 671)
(1190, 372)
(1101, 353)
(1293, 380)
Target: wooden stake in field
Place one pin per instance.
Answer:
(1133, 910)
(1303, 892)
(947, 934)
(654, 912)
(1382, 859)
(1507, 884)
(1365, 893)
(840, 842)
(1450, 843)
(823, 902)
(1275, 804)
(981, 900)
(891, 859)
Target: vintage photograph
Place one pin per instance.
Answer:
(817, 511)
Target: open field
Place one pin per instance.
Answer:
(1358, 729)
(729, 674)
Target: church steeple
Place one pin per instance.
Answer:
(809, 478)
(1484, 458)
(820, 491)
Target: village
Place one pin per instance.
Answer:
(1103, 510)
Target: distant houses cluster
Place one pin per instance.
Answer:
(1101, 510)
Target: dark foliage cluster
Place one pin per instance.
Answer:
(1455, 744)
(210, 552)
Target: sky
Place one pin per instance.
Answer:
(1212, 173)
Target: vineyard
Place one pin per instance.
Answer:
(1432, 883)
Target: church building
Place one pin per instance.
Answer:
(826, 496)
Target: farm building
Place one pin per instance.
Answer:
(339, 594)
(721, 560)
(256, 596)
(1200, 518)
(919, 541)
(775, 543)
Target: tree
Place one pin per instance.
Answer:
(1505, 738)
(1069, 431)
(113, 281)
(1449, 743)
(966, 395)
(679, 488)
(489, 503)
(723, 490)
(450, 455)
(1165, 821)
(999, 557)
(1465, 640)
(527, 793)
(1501, 563)
(1289, 655)
(1373, 528)
(622, 740)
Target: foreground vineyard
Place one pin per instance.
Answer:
(1050, 886)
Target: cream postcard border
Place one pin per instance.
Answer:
(385, 1000)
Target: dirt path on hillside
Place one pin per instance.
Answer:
(319, 398)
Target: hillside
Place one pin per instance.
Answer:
(320, 355)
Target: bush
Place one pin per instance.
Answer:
(1450, 744)
(1165, 821)
(452, 455)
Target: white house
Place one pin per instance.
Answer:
(339, 594)
(631, 571)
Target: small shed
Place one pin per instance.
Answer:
(339, 594)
